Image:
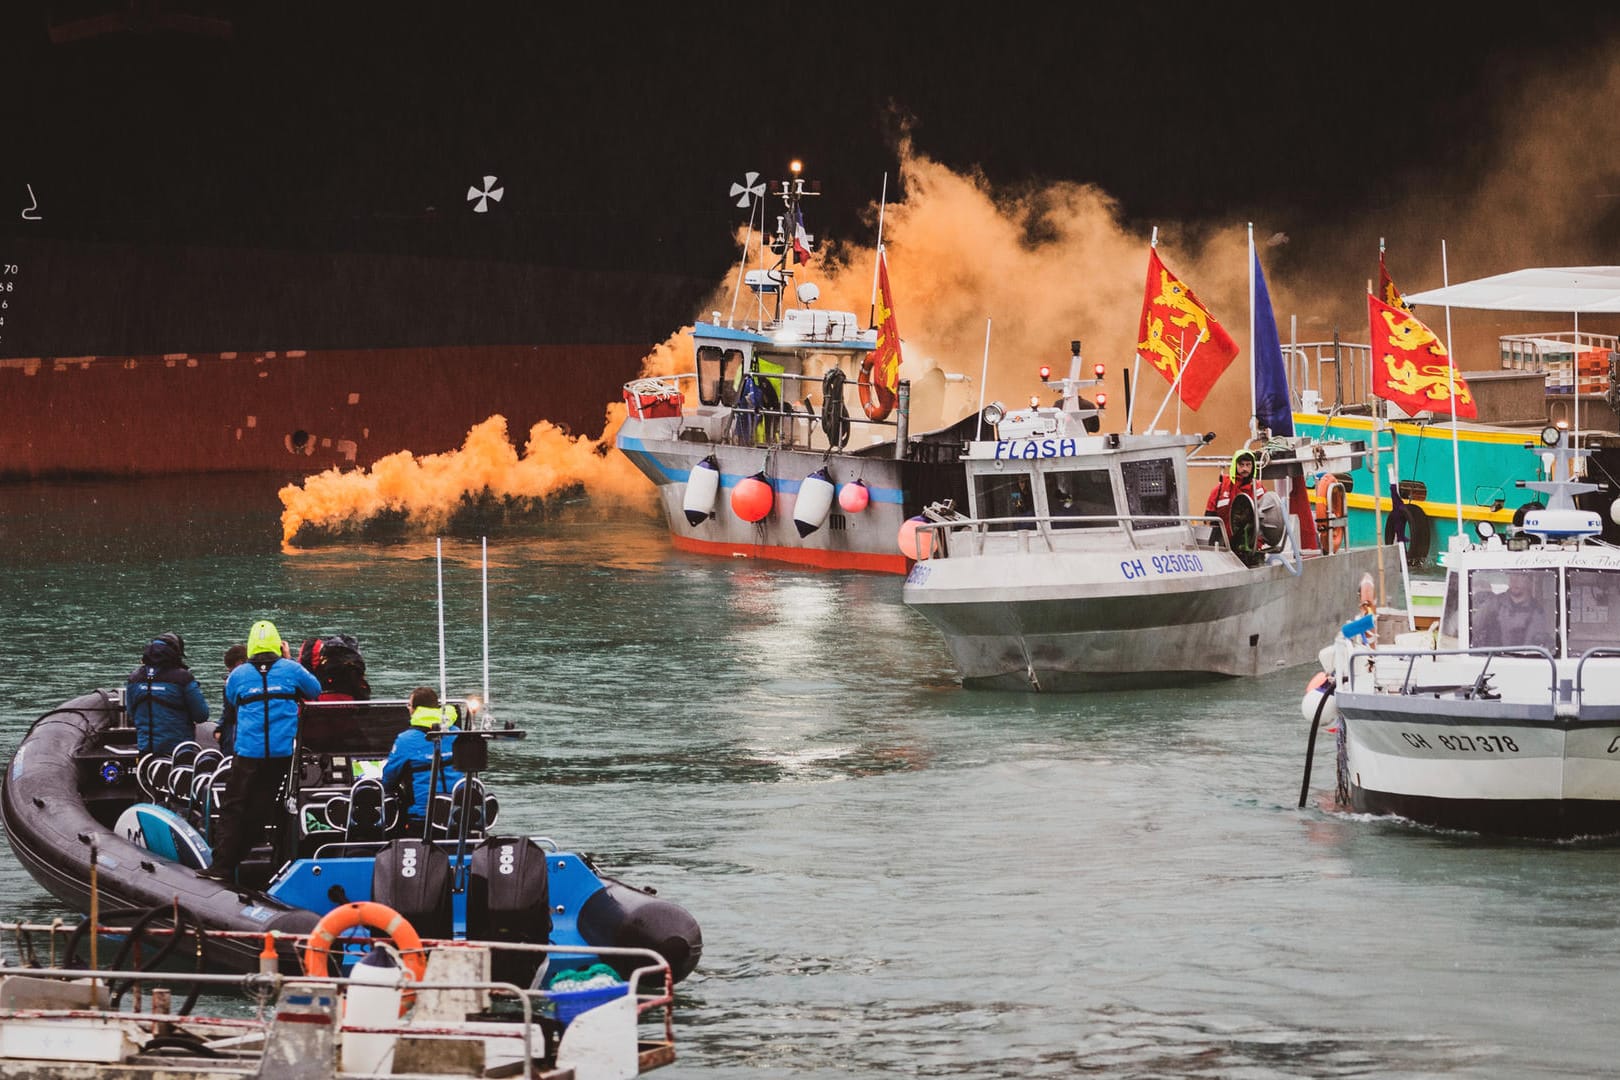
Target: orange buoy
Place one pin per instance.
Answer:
(916, 544)
(346, 917)
(853, 497)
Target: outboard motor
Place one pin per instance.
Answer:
(617, 914)
(509, 899)
(413, 878)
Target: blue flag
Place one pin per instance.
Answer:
(1272, 403)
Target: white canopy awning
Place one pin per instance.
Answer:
(1575, 289)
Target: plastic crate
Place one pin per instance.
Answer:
(567, 1004)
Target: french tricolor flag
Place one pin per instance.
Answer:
(801, 239)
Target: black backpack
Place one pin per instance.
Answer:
(337, 663)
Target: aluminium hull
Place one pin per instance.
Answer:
(1067, 621)
(294, 411)
(868, 540)
(1487, 766)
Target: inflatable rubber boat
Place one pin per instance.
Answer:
(88, 816)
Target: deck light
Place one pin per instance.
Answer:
(993, 413)
(1046, 373)
(1098, 371)
(1102, 401)
(1549, 435)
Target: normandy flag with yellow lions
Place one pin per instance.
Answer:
(1411, 367)
(1179, 337)
(885, 361)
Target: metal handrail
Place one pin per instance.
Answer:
(1041, 525)
(1412, 656)
(1599, 653)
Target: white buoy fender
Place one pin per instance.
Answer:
(372, 999)
(702, 485)
(1313, 699)
(814, 501)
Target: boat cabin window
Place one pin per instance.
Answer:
(1450, 614)
(1508, 608)
(1003, 495)
(1079, 493)
(1594, 607)
(718, 370)
(1150, 488)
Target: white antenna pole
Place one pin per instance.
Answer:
(1136, 385)
(731, 319)
(1254, 398)
(1451, 374)
(1576, 356)
(883, 203)
(438, 547)
(984, 373)
(486, 630)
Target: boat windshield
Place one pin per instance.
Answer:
(1512, 607)
(718, 370)
(1450, 614)
(1594, 607)
(1079, 493)
(1004, 496)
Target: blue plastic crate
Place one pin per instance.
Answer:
(570, 1003)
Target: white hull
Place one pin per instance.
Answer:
(1074, 620)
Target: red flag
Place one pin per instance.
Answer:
(1177, 330)
(1387, 292)
(1409, 364)
(885, 359)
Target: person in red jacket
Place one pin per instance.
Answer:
(1239, 477)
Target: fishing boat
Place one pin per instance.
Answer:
(408, 1007)
(1504, 718)
(1079, 566)
(96, 822)
(790, 439)
(1451, 475)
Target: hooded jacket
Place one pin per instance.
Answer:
(263, 695)
(163, 700)
(411, 760)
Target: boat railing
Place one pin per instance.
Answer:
(1476, 688)
(1599, 653)
(1311, 364)
(1048, 533)
(786, 425)
(650, 982)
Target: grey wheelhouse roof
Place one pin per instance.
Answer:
(1574, 289)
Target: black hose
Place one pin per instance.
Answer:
(108, 917)
(1310, 747)
(187, 1044)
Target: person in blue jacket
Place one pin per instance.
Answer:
(264, 695)
(162, 699)
(409, 767)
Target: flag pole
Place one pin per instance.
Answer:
(1451, 387)
(1175, 386)
(1254, 400)
(984, 374)
(883, 203)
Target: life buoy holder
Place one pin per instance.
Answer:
(879, 387)
(345, 917)
(1331, 513)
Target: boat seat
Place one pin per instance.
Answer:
(186, 752)
(366, 812)
(152, 774)
(206, 762)
(444, 812)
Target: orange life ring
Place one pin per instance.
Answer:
(879, 387)
(346, 917)
(1330, 503)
